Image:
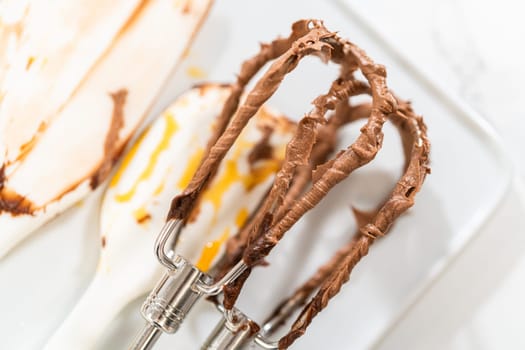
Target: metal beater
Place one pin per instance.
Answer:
(180, 288)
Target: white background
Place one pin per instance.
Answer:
(476, 49)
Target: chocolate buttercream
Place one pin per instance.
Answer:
(15, 204)
(331, 276)
(307, 174)
(111, 148)
(2, 177)
(12, 202)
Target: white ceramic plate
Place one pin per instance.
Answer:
(41, 281)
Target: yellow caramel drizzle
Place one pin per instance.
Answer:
(169, 131)
(210, 251)
(261, 173)
(231, 175)
(159, 189)
(141, 215)
(193, 164)
(241, 218)
(195, 72)
(216, 191)
(128, 158)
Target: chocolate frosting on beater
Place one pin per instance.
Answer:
(307, 174)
